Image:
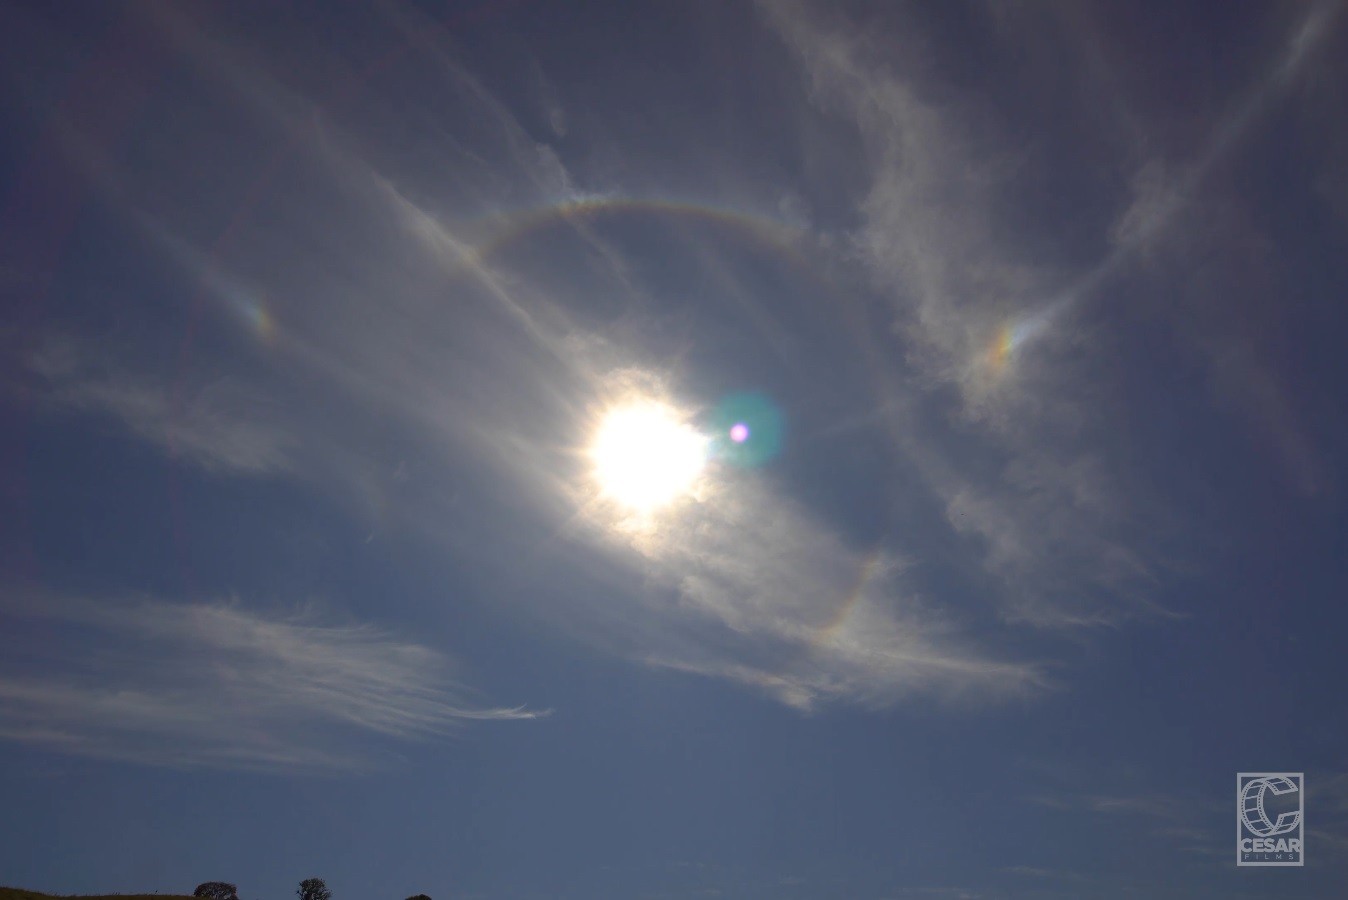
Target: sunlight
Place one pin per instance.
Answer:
(645, 456)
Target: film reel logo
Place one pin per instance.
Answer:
(1269, 825)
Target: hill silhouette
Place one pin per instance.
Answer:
(8, 893)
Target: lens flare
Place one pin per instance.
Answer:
(748, 429)
(645, 456)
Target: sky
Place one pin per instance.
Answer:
(671, 449)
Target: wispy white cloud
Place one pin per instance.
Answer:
(1181, 821)
(1331, 790)
(995, 383)
(221, 425)
(806, 618)
(475, 361)
(1016, 461)
(219, 685)
(953, 893)
(767, 594)
(1327, 812)
(1189, 228)
(1143, 804)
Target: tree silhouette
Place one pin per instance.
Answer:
(313, 889)
(216, 890)
(419, 897)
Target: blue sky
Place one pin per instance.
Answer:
(319, 317)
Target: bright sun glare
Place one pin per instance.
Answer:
(645, 457)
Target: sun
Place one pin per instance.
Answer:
(645, 456)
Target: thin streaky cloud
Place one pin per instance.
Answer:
(1074, 539)
(1018, 471)
(222, 425)
(219, 685)
(769, 577)
(1051, 525)
(805, 618)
